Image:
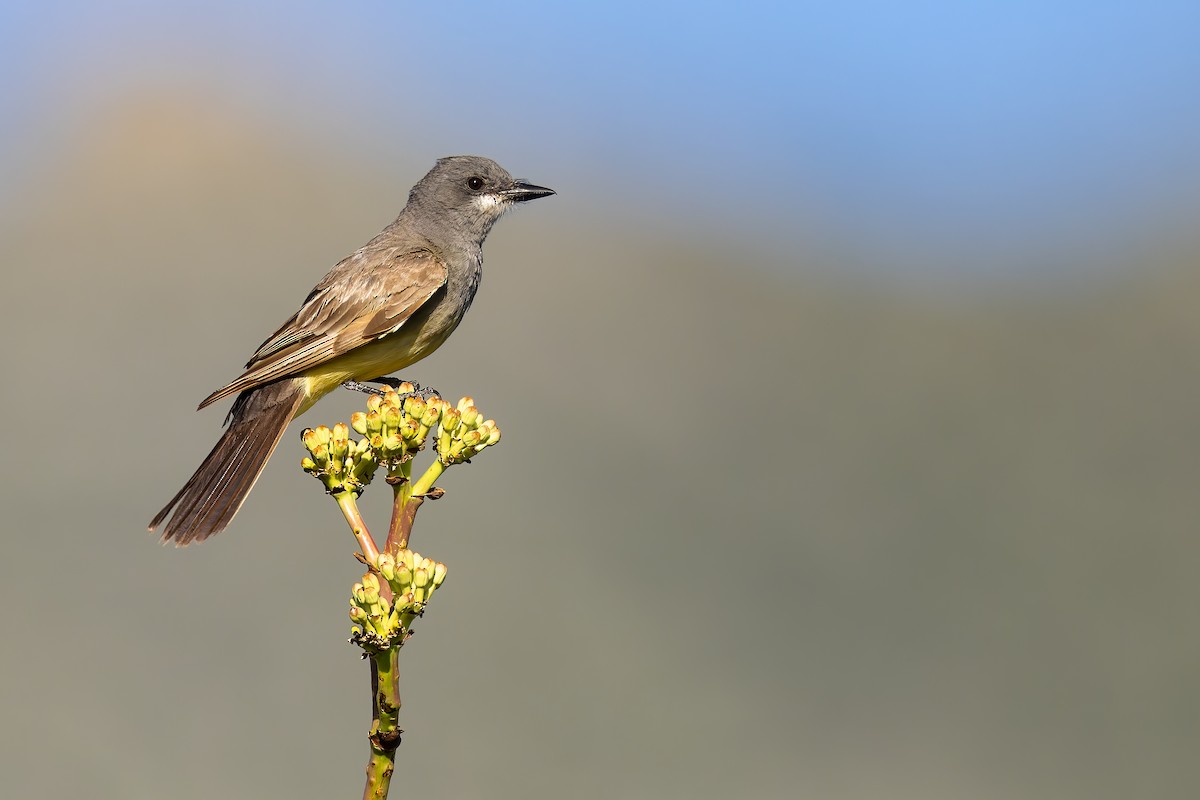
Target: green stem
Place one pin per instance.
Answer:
(385, 733)
(425, 483)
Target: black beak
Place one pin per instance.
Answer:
(522, 191)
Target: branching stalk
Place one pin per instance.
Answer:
(398, 583)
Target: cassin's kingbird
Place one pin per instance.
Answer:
(387, 305)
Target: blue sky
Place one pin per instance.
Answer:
(981, 135)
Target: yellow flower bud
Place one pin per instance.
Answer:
(311, 438)
(393, 446)
(414, 407)
(420, 578)
(410, 430)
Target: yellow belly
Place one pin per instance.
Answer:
(381, 357)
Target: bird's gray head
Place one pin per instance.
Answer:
(468, 194)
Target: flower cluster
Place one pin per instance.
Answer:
(464, 432)
(340, 463)
(394, 428)
(397, 424)
(382, 622)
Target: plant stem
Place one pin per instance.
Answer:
(407, 499)
(426, 482)
(404, 513)
(349, 507)
(385, 734)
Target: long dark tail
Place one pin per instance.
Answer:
(211, 497)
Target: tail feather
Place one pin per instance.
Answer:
(212, 496)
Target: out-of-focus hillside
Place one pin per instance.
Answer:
(744, 537)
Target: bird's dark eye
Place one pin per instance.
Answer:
(475, 183)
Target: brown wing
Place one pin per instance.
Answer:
(365, 297)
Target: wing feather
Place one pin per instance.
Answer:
(364, 298)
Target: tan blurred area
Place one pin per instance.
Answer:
(746, 535)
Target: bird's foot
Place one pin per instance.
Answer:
(355, 386)
(395, 383)
(423, 392)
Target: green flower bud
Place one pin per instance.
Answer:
(439, 574)
(370, 586)
(358, 421)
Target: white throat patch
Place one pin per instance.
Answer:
(487, 202)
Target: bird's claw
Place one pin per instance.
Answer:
(355, 386)
(395, 383)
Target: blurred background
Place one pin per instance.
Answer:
(849, 388)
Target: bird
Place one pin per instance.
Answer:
(384, 307)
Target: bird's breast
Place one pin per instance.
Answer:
(421, 334)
